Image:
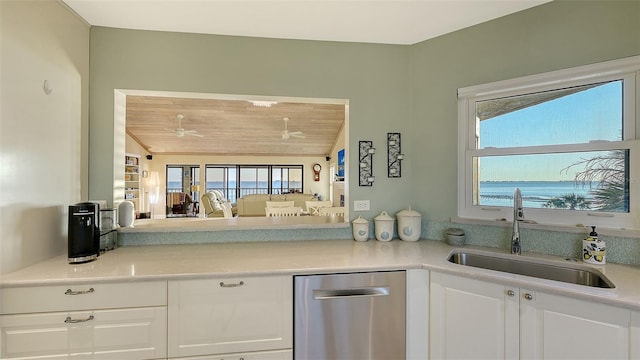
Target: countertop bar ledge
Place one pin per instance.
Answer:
(225, 260)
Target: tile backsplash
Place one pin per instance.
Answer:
(622, 250)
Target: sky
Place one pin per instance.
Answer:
(590, 115)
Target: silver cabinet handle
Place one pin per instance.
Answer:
(69, 320)
(528, 296)
(342, 293)
(222, 284)
(511, 292)
(81, 292)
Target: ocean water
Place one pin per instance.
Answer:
(492, 193)
(534, 193)
(232, 184)
(247, 187)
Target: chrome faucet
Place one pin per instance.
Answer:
(518, 215)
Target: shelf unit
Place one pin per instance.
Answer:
(132, 179)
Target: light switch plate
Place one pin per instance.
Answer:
(361, 205)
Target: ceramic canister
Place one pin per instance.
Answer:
(384, 226)
(409, 224)
(360, 229)
(455, 236)
(126, 214)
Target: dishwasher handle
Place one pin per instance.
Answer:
(343, 293)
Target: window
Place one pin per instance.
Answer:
(234, 181)
(286, 179)
(254, 180)
(223, 179)
(182, 178)
(174, 179)
(567, 139)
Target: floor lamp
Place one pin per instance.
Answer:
(153, 187)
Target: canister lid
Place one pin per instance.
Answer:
(384, 217)
(455, 231)
(360, 220)
(408, 213)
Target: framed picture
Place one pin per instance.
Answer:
(394, 156)
(341, 163)
(365, 165)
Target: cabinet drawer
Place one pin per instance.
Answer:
(257, 355)
(230, 315)
(135, 333)
(82, 297)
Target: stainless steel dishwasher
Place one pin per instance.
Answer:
(350, 316)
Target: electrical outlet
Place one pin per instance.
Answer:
(361, 205)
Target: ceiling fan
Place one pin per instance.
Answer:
(180, 131)
(286, 134)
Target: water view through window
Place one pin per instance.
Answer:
(548, 144)
(234, 181)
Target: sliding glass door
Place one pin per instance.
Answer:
(183, 191)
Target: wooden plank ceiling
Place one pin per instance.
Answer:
(232, 127)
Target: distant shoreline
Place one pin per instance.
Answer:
(534, 193)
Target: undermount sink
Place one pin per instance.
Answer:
(568, 273)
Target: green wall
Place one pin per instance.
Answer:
(557, 35)
(391, 88)
(375, 79)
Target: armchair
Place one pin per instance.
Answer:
(209, 201)
(214, 202)
(179, 204)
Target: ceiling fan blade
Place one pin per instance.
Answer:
(286, 134)
(192, 133)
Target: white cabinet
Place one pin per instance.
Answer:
(230, 316)
(256, 355)
(137, 333)
(558, 327)
(417, 314)
(478, 319)
(105, 321)
(635, 335)
(472, 319)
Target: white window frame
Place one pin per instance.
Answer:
(627, 69)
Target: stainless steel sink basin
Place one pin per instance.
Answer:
(568, 273)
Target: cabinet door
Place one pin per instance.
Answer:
(257, 355)
(558, 327)
(417, 314)
(104, 334)
(635, 335)
(230, 315)
(57, 298)
(472, 319)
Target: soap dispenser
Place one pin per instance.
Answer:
(593, 248)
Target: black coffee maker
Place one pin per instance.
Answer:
(84, 232)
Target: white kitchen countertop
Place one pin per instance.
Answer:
(236, 223)
(171, 262)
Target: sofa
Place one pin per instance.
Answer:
(255, 204)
